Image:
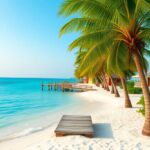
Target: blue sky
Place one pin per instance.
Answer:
(29, 42)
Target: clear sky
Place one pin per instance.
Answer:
(29, 42)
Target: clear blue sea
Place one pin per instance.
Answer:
(23, 103)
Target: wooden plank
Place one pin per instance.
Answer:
(76, 116)
(74, 124)
(76, 121)
(75, 130)
(71, 117)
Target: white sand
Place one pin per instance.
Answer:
(116, 128)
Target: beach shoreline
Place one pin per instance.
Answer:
(115, 127)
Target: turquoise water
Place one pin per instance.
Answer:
(21, 100)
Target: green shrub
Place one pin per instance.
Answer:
(134, 90)
(121, 86)
(130, 84)
(142, 103)
(138, 90)
(131, 90)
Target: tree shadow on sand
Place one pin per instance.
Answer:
(103, 130)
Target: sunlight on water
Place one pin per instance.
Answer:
(22, 100)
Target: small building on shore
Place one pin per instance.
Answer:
(115, 78)
(87, 80)
(137, 82)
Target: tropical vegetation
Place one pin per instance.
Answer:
(114, 39)
(132, 89)
(142, 104)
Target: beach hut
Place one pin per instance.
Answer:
(116, 80)
(87, 80)
(136, 80)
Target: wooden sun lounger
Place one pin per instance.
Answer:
(75, 125)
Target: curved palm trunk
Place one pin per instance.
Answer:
(101, 81)
(127, 99)
(116, 91)
(106, 84)
(112, 86)
(146, 93)
(98, 81)
(115, 88)
(112, 89)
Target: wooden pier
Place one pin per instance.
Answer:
(66, 87)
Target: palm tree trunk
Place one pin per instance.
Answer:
(115, 88)
(146, 93)
(112, 89)
(98, 81)
(101, 81)
(127, 99)
(112, 86)
(106, 84)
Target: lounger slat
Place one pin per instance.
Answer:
(67, 117)
(75, 122)
(75, 116)
(74, 125)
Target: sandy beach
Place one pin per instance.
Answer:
(116, 128)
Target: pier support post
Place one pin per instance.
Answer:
(55, 86)
(42, 86)
(49, 86)
(63, 87)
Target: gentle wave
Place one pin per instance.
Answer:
(29, 131)
(24, 133)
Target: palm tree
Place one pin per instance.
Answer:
(116, 67)
(125, 22)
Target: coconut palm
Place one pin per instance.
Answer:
(106, 23)
(97, 61)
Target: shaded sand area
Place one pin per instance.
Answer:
(116, 128)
